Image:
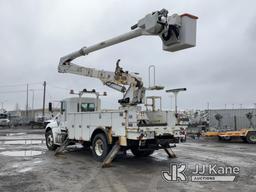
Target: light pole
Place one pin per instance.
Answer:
(208, 106)
(175, 92)
(33, 102)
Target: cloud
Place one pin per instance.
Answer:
(220, 70)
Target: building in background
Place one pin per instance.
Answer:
(19, 117)
(231, 119)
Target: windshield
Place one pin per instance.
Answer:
(87, 107)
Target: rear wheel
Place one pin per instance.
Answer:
(49, 141)
(142, 153)
(100, 147)
(251, 137)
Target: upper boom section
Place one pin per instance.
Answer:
(177, 32)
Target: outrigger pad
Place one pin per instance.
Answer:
(111, 155)
(60, 149)
(170, 153)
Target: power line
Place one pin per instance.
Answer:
(57, 87)
(19, 84)
(19, 91)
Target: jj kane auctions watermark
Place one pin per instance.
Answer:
(200, 173)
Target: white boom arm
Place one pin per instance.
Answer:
(117, 80)
(177, 32)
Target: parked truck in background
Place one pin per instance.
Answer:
(4, 119)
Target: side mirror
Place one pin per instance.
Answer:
(50, 107)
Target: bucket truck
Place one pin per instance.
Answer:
(128, 127)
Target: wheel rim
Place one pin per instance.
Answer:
(99, 147)
(227, 138)
(253, 138)
(49, 140)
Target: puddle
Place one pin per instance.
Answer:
(36, 162)
(158, 157)
(12, 134)
(23, 141)
(15, 134)
(15, 165)
(25, 170)
(22, 153)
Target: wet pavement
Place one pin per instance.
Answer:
(26, 165)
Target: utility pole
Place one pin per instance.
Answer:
(2, 105)
(44, 99)
(33, 101)
(27, 104)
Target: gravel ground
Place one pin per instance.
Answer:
(26, 165)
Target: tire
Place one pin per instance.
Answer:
(142, 153)
(49, 141)
(227, 138)
(100, 147)
(244, 139)
(251, 137)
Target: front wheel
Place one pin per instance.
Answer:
(100, 147)
(49, 141)
(142, 153)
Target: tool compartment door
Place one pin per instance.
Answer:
(118, 124)
(71, 125)
(85, 127)
(78, 126)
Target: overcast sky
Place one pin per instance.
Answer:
(219, 70)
